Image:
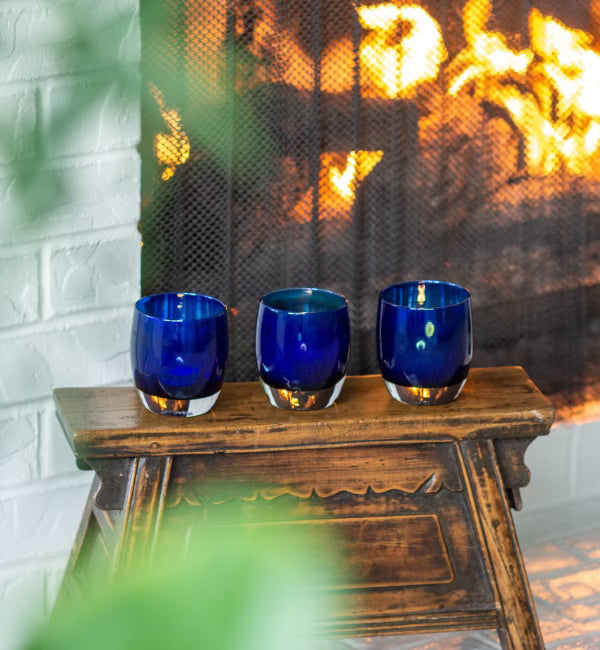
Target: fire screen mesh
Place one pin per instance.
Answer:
(351, 145)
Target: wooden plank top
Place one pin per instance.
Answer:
(111, 422)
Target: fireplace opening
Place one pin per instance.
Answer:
(350, 145)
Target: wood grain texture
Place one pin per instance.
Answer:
(423, 468)
(411, 624)
(372, 552)
(520, 629)
(114, 475)
(394, 571)
(420, 495)
(143, 510)
(510, 454)
(92, 551)
(111, 422)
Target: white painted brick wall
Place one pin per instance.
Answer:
(69, 275)
(17, 107)
(19, 301)
(19, 444)
(91, 275)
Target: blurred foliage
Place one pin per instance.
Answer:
(104, 42)
(254, 581)
(253, 586)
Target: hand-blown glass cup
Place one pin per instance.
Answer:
(424, 341)
(302, 346)
(179, 350)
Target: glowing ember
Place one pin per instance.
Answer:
(549, 92)
(587, 411)
(556, 105)
(171, 149)
(487, 55)
(395, 68)
(338, 181)
(359, 165)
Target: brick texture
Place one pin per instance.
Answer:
(36, 36)
(80, 354)
(56, 456)
(109, 118)
(37, 524)
(103, 191)
(69, 269)
(17, 108)
(19, 298)
(22, 595)
(19, 449)
(93, 275)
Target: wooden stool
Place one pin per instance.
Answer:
(421, 495)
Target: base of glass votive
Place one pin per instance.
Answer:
(183, 408)
(424, 396)
(303, 400)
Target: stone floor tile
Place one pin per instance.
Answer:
(583, 611)
(561, 624)
(548, 557)
(591, 643)
(542, 593)
(587, 543)
(576, 586)
(565, 579)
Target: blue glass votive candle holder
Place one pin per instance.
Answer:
(302, 347)
(424, 341)
(179, 349)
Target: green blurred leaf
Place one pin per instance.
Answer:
(242, 584)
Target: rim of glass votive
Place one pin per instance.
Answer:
(466, 293)
(142, 304)
(343, 301)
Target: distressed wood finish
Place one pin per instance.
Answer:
(515, 474)
(381, 587)
(520, 628)
(420, 495)
(144, 508)
(423, 468)
(114, 476)
(109, 422)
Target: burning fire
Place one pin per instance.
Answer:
(359, 165)
(397, 68)
(551, 92)
(487, 56)
(171, 149)
(548, 92)
(339, 179)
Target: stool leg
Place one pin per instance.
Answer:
(143, 508)
(520, 628)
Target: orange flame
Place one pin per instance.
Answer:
(339, 179)
(359, 165)
(395, 69)
(559, 115)
(171, 149)
(549, 91)
(487, 55)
